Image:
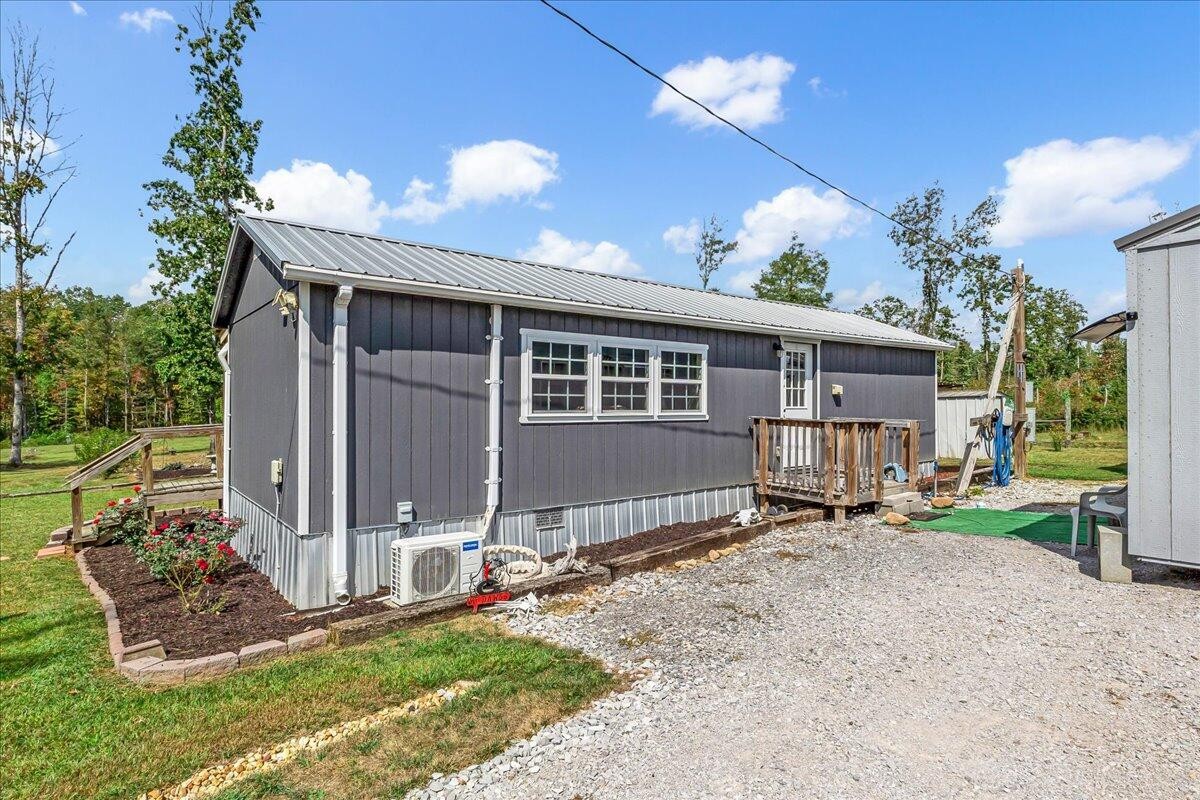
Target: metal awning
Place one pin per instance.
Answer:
(1111, 325)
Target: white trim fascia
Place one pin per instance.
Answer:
(425, 289)
(223, 357)
(339, 562)
(303, 408)
(594, 379)
(813, 393)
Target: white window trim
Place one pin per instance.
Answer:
(594, 378)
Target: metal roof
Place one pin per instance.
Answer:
(328, 255)
(1155, 228)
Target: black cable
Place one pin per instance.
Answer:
(758, 141)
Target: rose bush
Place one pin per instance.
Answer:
(126, 518)
(188, 553)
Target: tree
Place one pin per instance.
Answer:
(213, 154)
(797, 275)
(712, 249)
(32, 173)
(925, 250)
(1051, 316)
(891, 310)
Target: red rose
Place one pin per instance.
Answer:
(201, 565)
(208, 578)
(203, 540)
(156, 533)
(112, 503)
(137, 488)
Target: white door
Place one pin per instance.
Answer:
(797, 400)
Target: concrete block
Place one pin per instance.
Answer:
(153, 647)
(309, 640)
(263, 651)
(1115, 564)
(133, 669)
(164, 672)
(210, 666)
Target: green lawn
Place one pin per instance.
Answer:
(1095, 456)
(70, 727)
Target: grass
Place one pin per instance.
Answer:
(70, 727)
(1095, 456)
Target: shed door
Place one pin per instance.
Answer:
(796, 371)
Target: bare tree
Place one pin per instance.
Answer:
(712, 249)
(33, 171)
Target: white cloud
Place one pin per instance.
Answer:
(554, 248)
(767, 227)
(683, 238)
(821, 89)
(77, 9)
(143, 290)
(852, 299)
(145, 20)
(311, 191)
(1109, 301)
(34, 142)
(1064, 187)
(743, 281)
(747, 92)
(482, 174)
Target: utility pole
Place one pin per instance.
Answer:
(1020, 465)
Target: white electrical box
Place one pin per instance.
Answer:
(836, 389)
(404, 512)
(277, 472)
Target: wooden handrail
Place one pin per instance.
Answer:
(838, 462)
(101, 463)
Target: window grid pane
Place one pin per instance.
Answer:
(794, 378)
(560, 358)
(624, 362)
(624, 396)
(681, 397)
(558, 395)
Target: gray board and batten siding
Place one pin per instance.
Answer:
(881, 383)
(262, 416)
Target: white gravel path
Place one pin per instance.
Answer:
(857, 661)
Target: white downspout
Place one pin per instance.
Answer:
(494, 382)
(223, 357)
(339, 570)
(303, 409)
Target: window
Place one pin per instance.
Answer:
(578, 377)
(682, 380)
(625, 379)
(560, 378)
(795, 376)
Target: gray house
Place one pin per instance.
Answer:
(399, 381)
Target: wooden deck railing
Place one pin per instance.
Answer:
(835, 462)
(156, 491)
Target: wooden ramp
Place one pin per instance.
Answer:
(159, 487)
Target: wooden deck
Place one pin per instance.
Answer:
(833, 462)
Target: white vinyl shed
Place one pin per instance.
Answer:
(955, 410)
(1162, 273)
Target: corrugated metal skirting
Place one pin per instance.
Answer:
(604, 521)
(298, 566)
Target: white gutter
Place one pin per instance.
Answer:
(303, 410)
(494, 382)
(339, 571)
(425, 289)
(223, 357)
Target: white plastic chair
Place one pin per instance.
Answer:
(1095, 504)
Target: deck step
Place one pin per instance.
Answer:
(900, 498)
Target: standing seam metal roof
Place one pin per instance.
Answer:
(368, 255)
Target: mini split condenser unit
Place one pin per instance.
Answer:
(426, 567)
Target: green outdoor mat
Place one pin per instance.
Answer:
(1027, 525)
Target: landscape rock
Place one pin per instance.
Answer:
(309, 640)
(892, 518)
(942, 502)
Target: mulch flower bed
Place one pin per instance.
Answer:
(251, 610)
(604, 551)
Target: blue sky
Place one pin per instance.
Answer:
(498, 127)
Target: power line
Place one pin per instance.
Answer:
(601, 40)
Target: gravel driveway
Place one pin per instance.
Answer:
(863, 661)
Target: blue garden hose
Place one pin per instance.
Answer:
(1002, 464)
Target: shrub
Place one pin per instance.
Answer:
(96, 442)
(188, 554)
(126, 518)
(44, 438)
